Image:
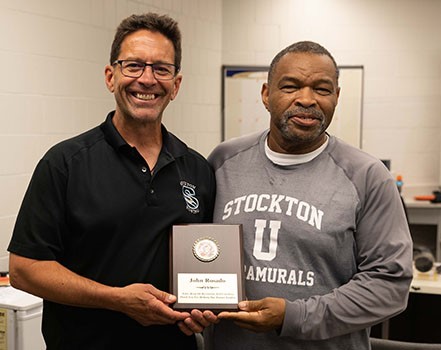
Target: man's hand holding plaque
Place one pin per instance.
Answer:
(206, 268)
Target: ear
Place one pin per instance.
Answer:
(264, 94)
(176, 86)
(109, 78)
(337, 94)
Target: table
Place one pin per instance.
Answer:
(430, 284)
(419, 322)
(425, 213)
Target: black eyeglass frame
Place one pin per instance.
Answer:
(145, 64)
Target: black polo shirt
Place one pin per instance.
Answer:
(94, 206)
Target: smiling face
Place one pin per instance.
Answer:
(301, 98)
(142, 100)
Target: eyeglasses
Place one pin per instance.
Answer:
(134, 69)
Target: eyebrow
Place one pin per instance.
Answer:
(299, 81)
(140, 60)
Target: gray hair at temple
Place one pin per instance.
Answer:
(302, 47)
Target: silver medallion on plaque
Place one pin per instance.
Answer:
(206, 249)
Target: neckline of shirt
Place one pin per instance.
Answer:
(284, 159)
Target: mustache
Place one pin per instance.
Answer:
(302, 110)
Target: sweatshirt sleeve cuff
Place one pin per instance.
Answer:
(294, 316)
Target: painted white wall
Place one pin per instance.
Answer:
(52, 58)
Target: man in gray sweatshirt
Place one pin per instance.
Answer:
(327, 248)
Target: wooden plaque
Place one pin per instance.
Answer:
(206, 268)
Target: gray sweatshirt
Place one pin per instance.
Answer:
(329, 236)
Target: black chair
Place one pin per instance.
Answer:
(388, 344)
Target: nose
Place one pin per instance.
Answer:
(147, 76)
(305, 97)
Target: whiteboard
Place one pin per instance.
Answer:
(243, 111)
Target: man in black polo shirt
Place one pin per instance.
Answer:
(91, 237)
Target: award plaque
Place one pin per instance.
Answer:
(206, 268)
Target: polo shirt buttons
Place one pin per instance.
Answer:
(144, 169)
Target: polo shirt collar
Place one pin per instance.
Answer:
(170, 143)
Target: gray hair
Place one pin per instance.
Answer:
(302, 47)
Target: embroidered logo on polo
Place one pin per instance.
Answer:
(189, 194)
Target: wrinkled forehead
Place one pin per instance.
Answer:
(148, 46)
(305, 65)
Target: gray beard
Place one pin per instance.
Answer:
(299, 138)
